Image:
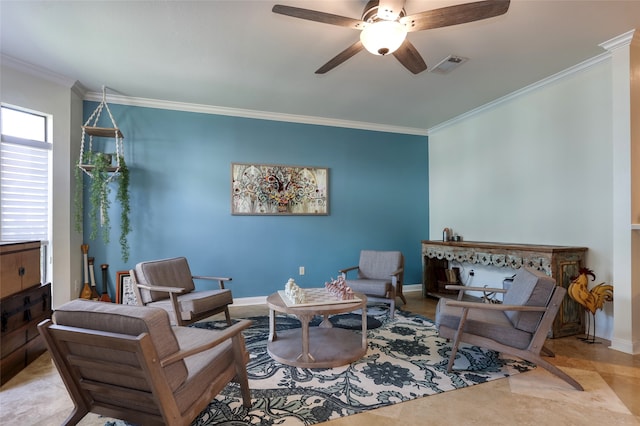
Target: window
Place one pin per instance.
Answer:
(25, 158)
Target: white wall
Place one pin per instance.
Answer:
(535, 168)
(23, 87)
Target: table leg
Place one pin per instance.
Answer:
(325, 322)
(272, 325)
(364, 327)
(305, 356)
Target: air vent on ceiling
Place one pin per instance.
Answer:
(448, 64)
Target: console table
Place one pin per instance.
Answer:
(560, 262)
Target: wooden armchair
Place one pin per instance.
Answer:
(127, 362)
(519, 326)
(379, 277)
(168, 284)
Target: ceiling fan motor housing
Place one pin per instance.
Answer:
(381, 35)
(370, 13)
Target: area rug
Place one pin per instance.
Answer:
(405, 360)
(352, 321)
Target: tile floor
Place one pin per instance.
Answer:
(611, 379)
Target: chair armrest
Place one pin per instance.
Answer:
(494, 306)
(225, 334)
(467, 288)
(398, 272)
(221, 280)
(344, 271)
(202, 277)
(162, 289)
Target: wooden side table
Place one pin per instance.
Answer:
(316, 347)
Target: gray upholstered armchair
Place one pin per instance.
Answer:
(168, 284)
(518, 326)
(127, 362)
(379, 277)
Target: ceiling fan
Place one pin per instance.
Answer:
(385, 24)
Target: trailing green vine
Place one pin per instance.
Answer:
(123, 197)
(99, 202)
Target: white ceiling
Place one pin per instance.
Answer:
(239, 55)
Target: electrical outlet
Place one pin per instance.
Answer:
(301, 270)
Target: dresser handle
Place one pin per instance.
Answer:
(27, 309)
(4, 320)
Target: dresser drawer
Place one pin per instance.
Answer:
(20, 341)
(19, 267)
(24, 307)
(17, 360)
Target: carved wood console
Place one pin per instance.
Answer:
(560, 262)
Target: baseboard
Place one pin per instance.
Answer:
(262, 300)
(410, 288)
(626, 346)
(248, 301)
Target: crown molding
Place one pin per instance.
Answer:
(247, 113)
(520, 92)
(620, 41)
(617, 42)
(37, 71)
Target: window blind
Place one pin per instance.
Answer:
(24, 189)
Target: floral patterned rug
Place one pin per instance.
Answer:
(406, 360)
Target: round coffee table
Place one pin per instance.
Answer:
(316, 347)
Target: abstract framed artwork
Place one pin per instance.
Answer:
(273, 189)
(125, 293)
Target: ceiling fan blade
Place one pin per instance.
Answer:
(390, 9)
(341, 57)
(313, 15)
(409, 56)
(453, 15)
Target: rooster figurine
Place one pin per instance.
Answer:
(591, 300)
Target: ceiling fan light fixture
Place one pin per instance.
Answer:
(383, 37)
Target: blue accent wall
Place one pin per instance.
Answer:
(180, 165)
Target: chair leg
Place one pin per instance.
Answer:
(227, 315)
(241, 370)
(75, 416)
(404, 299)
(392, 308)
(554, 370)
(547, 352)
(454, 351)
(456, 339)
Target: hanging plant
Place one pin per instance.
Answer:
(99, 201)
(97, 166)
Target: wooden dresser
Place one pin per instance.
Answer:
(24, 303)
(560, 262)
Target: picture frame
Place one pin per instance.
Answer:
(277, 189)
(125, 293)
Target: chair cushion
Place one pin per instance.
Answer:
(377, 288)
(529, 288)
(126, 319)
(379, 264)
(194, 303)
(173, 272)
(494, 325)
